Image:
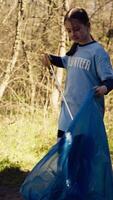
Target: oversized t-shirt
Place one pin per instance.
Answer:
(87, 68)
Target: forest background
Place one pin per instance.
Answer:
(29, 99)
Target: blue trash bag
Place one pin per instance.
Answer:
(79, 166)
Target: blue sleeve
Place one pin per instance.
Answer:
(59, 61)
(103, 65)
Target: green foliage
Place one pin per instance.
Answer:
(26, 139)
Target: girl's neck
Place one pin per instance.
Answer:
(87, 40)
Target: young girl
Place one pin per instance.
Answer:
(78, 167)
(88, 66)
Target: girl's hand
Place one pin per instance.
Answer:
(100, 90)
(46, 60)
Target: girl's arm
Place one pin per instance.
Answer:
(56, 60)
(109, 84)
(104, 71)
(105, 88)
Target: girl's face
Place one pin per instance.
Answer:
(77, 31)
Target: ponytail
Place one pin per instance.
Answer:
(72, 50)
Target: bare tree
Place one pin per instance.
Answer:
(28, 28)
(16, 48)
(62, 49)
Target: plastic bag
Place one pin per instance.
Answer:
(79, 166)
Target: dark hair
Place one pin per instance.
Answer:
(77, 13)
(81, 15)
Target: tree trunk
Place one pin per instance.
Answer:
(62, 50)
(28, 54)
(16, 49)
(59, 73)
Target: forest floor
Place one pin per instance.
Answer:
(8, 193)
(10, 182)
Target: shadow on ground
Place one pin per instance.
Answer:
(10, 180)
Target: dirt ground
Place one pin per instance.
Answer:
(10, 182)
(7, 193)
